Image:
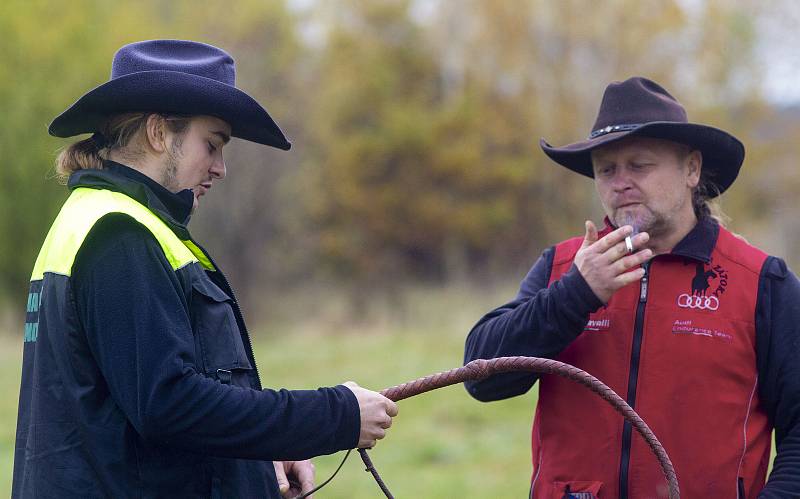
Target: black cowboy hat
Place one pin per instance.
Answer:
(172, 76)
(641, 107)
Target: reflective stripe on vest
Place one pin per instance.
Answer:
(83, 209)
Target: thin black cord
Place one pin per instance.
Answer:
(303, 496)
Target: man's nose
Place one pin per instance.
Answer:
(621, 180)
(218, 169)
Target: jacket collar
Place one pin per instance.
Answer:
(697, 244)
(700, 241)
(174, 209)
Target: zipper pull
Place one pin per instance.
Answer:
(643, 283)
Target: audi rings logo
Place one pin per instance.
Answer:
(698, 302)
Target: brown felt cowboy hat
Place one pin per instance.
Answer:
(643, 108)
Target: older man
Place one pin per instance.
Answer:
(698, 330)
(138, 376)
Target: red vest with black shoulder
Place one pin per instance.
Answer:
(681, 347)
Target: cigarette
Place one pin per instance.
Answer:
(629, 244)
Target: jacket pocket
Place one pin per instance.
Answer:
(218, 341)
(578, 489)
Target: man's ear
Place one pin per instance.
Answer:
(155, 133)
(694, 163)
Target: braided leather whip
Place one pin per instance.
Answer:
(480, 369)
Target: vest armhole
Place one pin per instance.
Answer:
(82, 210)
(112, 225)
(740, 251)
(565, 251)
(549, 256)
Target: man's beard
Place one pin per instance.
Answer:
(170, 178)
(645, 220)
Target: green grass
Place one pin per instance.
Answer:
(10, 368)
(442, 444)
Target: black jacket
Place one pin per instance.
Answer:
(151, 390)
(542, 321)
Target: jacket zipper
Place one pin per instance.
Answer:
(633, 376)
(237, 311)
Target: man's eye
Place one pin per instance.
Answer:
(606, 170)
(211, 147)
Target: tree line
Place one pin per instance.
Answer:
(415, 126)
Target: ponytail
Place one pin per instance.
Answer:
(706, 203)
(116, 133)
(81, 155)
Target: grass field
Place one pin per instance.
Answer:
(10, 362)
(442, 444)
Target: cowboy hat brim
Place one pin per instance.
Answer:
(170, 92)
(723, 153)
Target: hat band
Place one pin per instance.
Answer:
(613, 128)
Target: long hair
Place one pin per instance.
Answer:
(705, 201)
(118, 132)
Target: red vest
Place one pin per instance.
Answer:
(693, 377)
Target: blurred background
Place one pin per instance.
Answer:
(415, 196)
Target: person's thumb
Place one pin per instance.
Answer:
(280, 475)
(591, 234)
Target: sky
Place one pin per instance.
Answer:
(779, 46)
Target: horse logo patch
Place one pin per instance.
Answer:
(707, 285)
